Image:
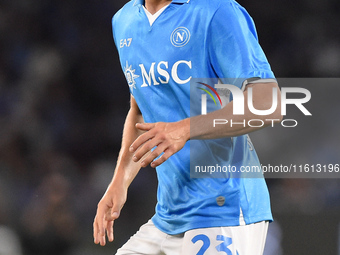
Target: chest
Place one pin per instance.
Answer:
(176, 35)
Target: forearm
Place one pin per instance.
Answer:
(223, 123)
(126, 169)
(112, 202)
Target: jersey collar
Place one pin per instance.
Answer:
(141, 2)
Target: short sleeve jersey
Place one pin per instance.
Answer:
(194, 39)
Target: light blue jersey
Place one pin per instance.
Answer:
(194, 39)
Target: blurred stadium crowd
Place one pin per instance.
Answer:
(63, 100)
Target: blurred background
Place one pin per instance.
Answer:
(63, 100)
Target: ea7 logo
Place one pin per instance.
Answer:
(180, 37)
(125, 42)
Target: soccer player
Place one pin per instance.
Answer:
(164, 45)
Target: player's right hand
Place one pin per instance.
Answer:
(108, 210)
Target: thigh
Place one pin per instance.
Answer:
(238, 240)
(147, 240)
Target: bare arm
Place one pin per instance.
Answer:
(126, 169)
(110, 205)
(171, 137)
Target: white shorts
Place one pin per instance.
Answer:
(240, 240)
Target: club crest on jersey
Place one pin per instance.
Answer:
(130, 76)
(180, 37)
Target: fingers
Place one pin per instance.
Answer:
(109, 227)
(167, 153)
(99, 237)
(95, 231)
(154, 154)
(146, 148)
(104, 223)
(162, 137)
(141, 140)
(99, 227)
(164, 147)
(145, 126)
(109, 230)
(99, 231)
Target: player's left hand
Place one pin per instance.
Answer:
(167, 137)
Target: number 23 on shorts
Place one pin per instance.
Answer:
(208, 244)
